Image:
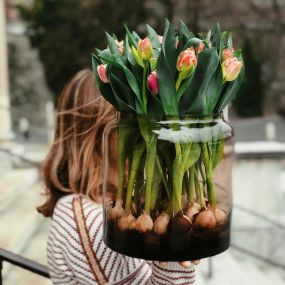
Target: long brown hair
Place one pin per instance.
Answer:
(74, 162)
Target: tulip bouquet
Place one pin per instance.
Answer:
(165, 173)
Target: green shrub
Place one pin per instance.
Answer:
(248, 102)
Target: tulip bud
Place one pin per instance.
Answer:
(227, 53)
(120, 46)
(201, 47)
(101, 69)
(152, 82)
(187, 60)
(145, 49)
(231, 68)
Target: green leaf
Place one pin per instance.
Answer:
(195, 153)
(183, 30)
(104, 88)
(129, 75)
(192, 42)
(214, 90)
(122, 105)
(105, 53)
(110, 61)
(230, 91)
(131, 38)
(184, 85)
(194, 100)
(218, 41)
(136, 36)
(154, 106)
(133, 83)
(137, 57)
(153, 37)
(208, 37)
(183, 36)
(238, 54)
(169, 47)
(126, 48)
(139, 108)
(114, 49)
(131, 59)
(230, 41)
(201, 37)
(166, 83)
(125, 93)
(217, 152)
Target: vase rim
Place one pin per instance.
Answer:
(154, 117)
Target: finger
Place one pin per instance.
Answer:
(162, 263)
(196, 262)
(185, 264)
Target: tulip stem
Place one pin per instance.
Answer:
(209, 174)
(149, 169)
(123, 136)
(199, 190)
(191, 186)
(137, 154)
(162, 176)
(178, 82)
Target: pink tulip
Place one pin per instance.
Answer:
(101, 69)
(227, 53)
(201, 47)
(152, 82)
(186, 60)
(231, 68)
(145, 49)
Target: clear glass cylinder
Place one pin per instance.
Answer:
(167, 186)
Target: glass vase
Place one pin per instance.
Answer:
(167, 186)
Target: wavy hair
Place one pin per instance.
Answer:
(74, 162)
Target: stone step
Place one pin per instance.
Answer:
(34, 250)
(20, 219)
(13, 184)
(229, 270)
(5, 163)
(275, 275)
(24, 232)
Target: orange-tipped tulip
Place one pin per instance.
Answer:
(187, 60)
(227, 53)
(231, 68)
(145, 49)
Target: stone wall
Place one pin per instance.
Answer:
(28, 89)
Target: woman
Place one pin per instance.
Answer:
(73, 179)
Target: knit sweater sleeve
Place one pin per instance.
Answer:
(81, 255)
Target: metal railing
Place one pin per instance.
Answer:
(22, 262)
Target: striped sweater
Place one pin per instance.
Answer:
(77, 256)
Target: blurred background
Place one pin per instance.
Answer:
(44, 42)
